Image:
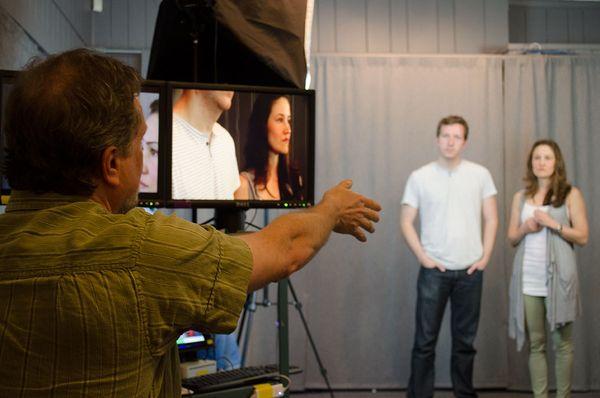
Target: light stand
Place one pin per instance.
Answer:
(282, 328)
(232, 220)
(298, 306)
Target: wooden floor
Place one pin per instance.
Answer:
(438, 394)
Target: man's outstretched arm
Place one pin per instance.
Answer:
(290, 241)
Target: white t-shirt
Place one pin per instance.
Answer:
(204, 166)
(534, 257)
(450, 210)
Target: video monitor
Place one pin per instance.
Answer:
(240, 146)
(154, 106)
(7, 79)
(193, 339)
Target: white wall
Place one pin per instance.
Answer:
(410, 26)
(16, 48)
(554, 21)
(127, 26)
(55, 25)
(36, 27)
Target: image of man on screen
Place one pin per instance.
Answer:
(204, 161)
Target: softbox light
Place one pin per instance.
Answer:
(249, 42)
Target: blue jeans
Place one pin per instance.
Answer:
(434, 288)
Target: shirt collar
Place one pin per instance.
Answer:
(448, 171)
(27, 201)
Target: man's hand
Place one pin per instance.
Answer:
(354, 212)
(291, 240)
(427, 262)
(478, 266)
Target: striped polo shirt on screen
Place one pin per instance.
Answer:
(91, 303)
(204, 163)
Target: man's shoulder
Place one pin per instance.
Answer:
(178, 124)
(134, 219)
(221, 132)
(425, 171)
(474, 167)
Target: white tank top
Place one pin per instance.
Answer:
(534, 259)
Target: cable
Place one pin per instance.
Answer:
(286, 386)
(254, 215)
(231, 366)
(207, 221)
(253, 226)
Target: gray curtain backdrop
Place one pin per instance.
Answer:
(376, 120)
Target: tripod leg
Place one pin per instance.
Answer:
(242, 322)
(246, 321)
(282, 328)
(298, 306)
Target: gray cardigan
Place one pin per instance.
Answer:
(562, 303)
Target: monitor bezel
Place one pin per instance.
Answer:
(163, 197)
(236, 203)
(157, 199)
(6, 77)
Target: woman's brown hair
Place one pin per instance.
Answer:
(559, 186)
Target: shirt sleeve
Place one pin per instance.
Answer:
(488, 187)
(190, 276)
(411, 192)
(235, 172)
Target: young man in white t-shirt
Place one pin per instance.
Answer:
(452, 197)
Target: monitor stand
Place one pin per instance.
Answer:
(230, 220)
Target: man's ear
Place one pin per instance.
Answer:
(110, 166)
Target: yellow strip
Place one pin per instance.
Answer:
(263, 390)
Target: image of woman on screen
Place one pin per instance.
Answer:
(149, 178)
(269, 174)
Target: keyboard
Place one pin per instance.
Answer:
(233, 378)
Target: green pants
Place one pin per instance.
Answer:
(535, 321)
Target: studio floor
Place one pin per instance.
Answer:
(438, 394)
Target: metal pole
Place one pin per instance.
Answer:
(282, 325)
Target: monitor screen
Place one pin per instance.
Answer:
(153, 102)
(192, 340)
(240, 146)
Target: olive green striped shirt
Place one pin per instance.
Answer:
(91, 303)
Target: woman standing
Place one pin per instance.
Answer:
(547, 218)
(268, 173)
